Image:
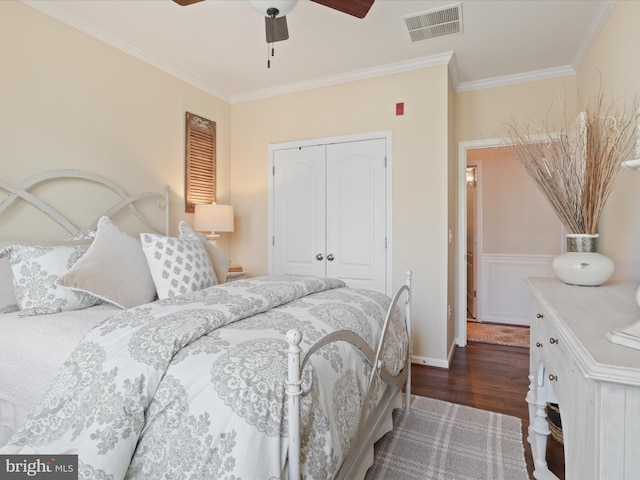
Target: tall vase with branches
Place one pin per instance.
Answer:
(575, 168)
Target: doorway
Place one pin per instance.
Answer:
(472, 238)
(460, 294)
(514, 235)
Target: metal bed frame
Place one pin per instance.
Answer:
(22, 192)
(369, 425)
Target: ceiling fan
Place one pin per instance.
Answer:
(275, 12)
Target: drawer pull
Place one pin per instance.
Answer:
(553, 377)
(553, 340)
(539, 315)
(538, 344)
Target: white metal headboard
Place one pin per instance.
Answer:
(21, 191)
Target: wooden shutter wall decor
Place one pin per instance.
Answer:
(200, 161)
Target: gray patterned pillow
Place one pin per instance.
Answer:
(178, 265)
(219, 260)
(35, 270)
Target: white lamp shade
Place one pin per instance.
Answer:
(283, 6)
(211, 217)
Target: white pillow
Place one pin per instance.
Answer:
(8, 302)
(114, 269)
(219, 259)
(178, 265)
(35, 270)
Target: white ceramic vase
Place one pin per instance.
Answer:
(582, 264)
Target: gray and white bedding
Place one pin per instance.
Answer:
(32, 350)
(194, 386)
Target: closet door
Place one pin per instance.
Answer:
(356, 213)
(299, 211)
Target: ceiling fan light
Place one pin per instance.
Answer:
(283, 6)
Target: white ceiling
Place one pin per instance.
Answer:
(219, 45)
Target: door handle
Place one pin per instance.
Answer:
(330, 257)
(319, 257)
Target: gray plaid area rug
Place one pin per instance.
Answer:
(441, 440)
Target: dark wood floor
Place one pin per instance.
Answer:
(489, 377)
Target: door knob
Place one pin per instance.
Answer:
(319, 257)
(330, 257)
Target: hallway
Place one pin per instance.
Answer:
(498, 334)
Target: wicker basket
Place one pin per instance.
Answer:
(555, 422)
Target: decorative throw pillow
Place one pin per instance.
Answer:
(8, 302)
(178, 265)
(114, 269)
(35, 270)
(219, 259)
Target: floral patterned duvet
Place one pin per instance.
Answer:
(194, 387)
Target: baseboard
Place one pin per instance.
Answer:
(509, 322)
(432, 362)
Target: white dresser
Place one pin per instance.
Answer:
(595, 382)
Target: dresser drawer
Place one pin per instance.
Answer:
(560, 369)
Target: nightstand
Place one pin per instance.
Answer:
(235, 273)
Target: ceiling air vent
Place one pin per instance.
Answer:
(435, 23)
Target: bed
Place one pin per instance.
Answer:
(268, 377)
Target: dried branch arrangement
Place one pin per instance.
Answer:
(575, 167)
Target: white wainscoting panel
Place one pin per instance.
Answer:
(502, 292)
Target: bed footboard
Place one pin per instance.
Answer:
(294, 383)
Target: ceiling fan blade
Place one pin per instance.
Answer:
(276, 28)
(357, 8)
(184, 3)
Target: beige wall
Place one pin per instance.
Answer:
(419, 165)
(70, 101)
(481, 114)
(612, 68)
(516, 219)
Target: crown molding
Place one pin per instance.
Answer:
(506, 80)
(363, 74)
(601, 17)
(91, 30)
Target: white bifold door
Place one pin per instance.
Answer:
(329, 212)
